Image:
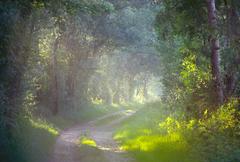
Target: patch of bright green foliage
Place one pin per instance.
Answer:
(87, 141)
(88, 151)
(40, 124)
(153, 134)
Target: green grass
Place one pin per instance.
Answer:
(142, 136)
(41, 124)
(155, 134)
(87, 141)
(34, 137)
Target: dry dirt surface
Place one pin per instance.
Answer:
(68, 149)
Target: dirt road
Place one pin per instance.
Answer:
(68, 149)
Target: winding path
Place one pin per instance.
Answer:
(107, 150)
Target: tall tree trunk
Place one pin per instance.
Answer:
(231, 35)
(215, 58)
(54, 81)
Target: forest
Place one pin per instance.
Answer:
(119, 81)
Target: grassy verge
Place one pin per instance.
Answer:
(155, 135)
(33, 141)
(142, 136)
(34, 136)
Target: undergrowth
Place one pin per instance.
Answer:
(34, 134)
(153, 135)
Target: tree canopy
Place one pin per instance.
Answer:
(69, 61)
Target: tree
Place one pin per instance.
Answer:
(215, 56)
(208, 37)
(54, 77)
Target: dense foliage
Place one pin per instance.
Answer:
(165, 136)
(63, 62)
(185, 30)
(68, 61)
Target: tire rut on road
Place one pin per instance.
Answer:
(67, 148)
